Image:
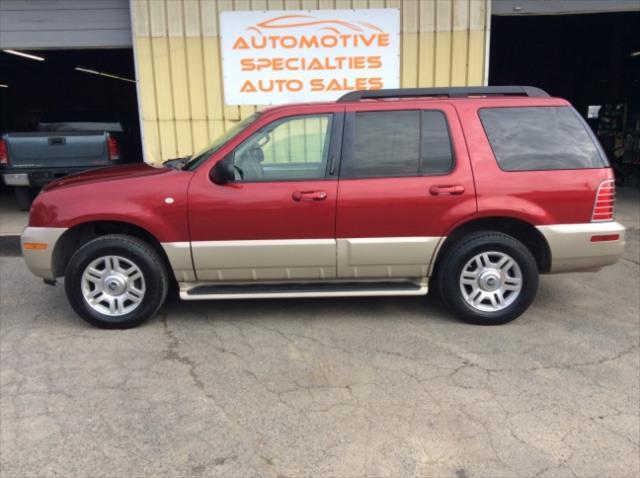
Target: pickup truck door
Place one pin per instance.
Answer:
(276, 220)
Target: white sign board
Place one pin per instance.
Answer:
(272, 57)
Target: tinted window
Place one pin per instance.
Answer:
(525, 139)
(399, 143)
(436, 155)
(386, 143)
(287, 149)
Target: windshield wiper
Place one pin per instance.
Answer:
(176, 163)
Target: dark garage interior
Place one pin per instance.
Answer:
(55, 87)
(589, 59)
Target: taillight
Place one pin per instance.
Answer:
(114, 149)
(4, 158)
(605, 200)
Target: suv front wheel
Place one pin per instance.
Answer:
(116, 281)
(488, 278)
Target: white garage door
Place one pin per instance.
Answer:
(35, 24)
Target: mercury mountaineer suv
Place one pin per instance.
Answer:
(472, 191)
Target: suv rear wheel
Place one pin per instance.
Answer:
(116, 281)
(488, 278)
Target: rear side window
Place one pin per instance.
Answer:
(398, 143)
(386, 143)
(540, 138)
(436, 154)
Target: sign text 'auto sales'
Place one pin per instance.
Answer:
(286, 56)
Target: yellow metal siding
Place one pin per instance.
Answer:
(177, 48)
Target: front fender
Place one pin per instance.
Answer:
(160, 209)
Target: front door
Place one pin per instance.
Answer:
(405, 179)
(276, 220)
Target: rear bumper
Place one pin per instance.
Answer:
(572, 248)
(38, 244)
(40, 177)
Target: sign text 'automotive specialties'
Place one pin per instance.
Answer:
(287, 56)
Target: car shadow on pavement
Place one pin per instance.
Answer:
(366, 308)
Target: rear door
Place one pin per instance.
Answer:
(405, 179)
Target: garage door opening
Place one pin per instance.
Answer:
(592, 60)
(76, 84)
(64, 111)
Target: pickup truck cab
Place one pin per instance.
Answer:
(471, 191)
(64, 143)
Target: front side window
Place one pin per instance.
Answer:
(287, 149)
(540, 138)
(399, 144)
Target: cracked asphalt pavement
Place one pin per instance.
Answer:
(335, 387)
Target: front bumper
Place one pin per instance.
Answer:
(572, 247)
(38, 245)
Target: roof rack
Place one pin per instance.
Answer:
(449, 92)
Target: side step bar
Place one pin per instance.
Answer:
(209, 291)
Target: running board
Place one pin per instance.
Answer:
(209, 291)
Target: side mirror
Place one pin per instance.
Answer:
(223, 172)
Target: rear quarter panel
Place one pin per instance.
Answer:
(537, 197)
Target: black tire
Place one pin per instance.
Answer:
(457, 256)
(24, 197)
(139, 253)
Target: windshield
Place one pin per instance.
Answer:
(214, 146)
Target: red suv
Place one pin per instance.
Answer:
(474, 191)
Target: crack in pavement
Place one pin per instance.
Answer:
(262, 467)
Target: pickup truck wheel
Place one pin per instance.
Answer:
(488, 278)
(116, 281)
(23, 196)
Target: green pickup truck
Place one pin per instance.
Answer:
(64, 143)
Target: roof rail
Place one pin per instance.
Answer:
(449, 92)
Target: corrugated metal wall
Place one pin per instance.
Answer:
(180, 73)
